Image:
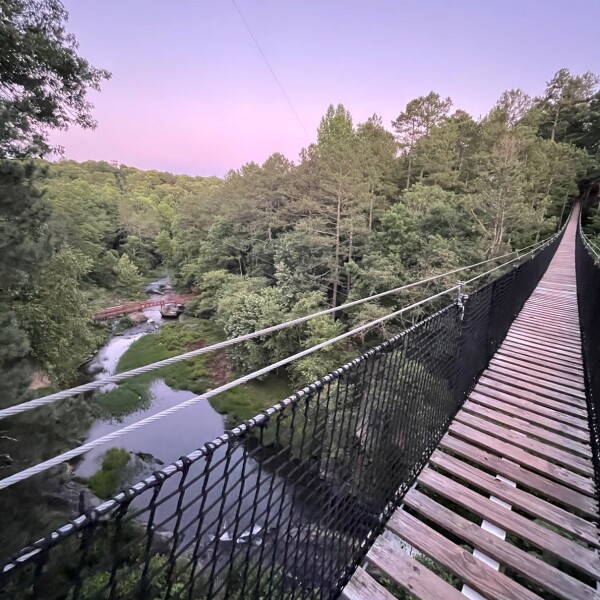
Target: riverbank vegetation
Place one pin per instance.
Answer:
(112, 475)
(197, 375)
(365, 208)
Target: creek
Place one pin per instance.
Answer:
(38, 506)
(165, 441)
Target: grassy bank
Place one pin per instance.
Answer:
(112, 474)
(197, 375)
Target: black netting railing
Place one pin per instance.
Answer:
(588, 298)
(287, 504)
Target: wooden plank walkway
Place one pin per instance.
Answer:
(507, 504)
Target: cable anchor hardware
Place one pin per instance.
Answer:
(461, 299)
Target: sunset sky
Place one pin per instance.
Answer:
(190, 92)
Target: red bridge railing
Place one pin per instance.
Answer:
(130, 307)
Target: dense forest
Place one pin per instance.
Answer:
(366, 207)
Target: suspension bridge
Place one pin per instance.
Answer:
(522, 438)
(457, 459)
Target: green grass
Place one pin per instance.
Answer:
(130, 396)
(246, 401)
(133, 395)
(238, 404)
(112, 474)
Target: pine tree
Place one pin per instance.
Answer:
(128, 275)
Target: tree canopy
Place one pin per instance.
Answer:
(43, 86)
(364, 208)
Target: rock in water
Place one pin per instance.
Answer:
(138, 317)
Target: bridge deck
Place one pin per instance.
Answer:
(507, 504)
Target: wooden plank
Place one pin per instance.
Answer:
(520, 440)
(539, 391)
(538, 306)
(487, 399)
(547, 332)
(539, 572)
(514, 390)
(578, 396)
(537, 507)
(536, 326)
(391, 558)
(541, 373)
(569, 339)
(362, 587)
(532, 481)
(535, 463)
(568, 551)
(575, 365)
(514, 422)
(545, 354)
(534, 407)
(478, 575)
(568, 336)
(528, 358)
(574, 345)
(545, 336)
(554, 348)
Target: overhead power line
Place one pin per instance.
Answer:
(100, 383)
(270, 68)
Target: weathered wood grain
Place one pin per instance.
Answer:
(533, 505)
(564, 549)
(539, 465)
(388, 556)
(481, 577)
(547, 577)
(520, 440)
(363, 586)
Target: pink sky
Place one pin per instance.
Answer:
(190, 93)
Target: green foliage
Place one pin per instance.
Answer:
(312, 367)
(211, 285)
(112, 474)
(43, 81)
(43, 85)
(129, 279)
(245, 402)
(350, 219)
(129, 584)
(56, 316)
(24, 248)
(164, 246)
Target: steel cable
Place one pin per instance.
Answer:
(100, 383)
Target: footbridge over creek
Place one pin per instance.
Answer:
(458, 459)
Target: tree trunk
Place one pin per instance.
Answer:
(562, 212)
(336, 265)
(350, 248)
(409, 169)
(554, 125)
(371, 209)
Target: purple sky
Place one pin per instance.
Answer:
(191, 94)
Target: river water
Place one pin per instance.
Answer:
(177, 435)
(241, 500)
(167, 439)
